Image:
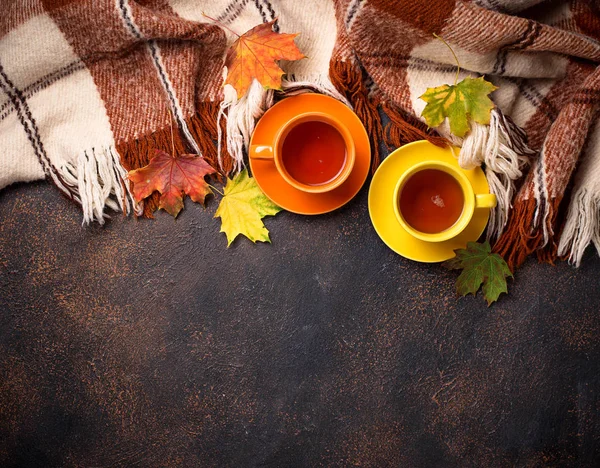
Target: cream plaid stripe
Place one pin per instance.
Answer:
(39, 114)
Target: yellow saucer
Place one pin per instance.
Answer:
(381, 204)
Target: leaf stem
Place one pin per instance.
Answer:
(172, 140)
(216, 189)
(220, 24)
(455, 57)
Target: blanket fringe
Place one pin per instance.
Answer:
(404, 129)
(548, 253)
(348, 79)
(518, 240)
(502, 147)
(203, 127)
(582, 226)
(98, 182)
(240, 116)
(524, 235)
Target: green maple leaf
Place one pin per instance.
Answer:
(242, 208)
(480, 266)
(466, 99)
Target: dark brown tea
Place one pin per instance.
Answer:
(314, 153)
(431, 201)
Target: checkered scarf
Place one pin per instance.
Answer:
(91, 88)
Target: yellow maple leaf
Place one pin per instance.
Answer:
(467, 99)
(242, 208)
(254, 55)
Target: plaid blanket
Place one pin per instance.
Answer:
(91, 88)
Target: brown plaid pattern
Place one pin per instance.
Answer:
(146, 64)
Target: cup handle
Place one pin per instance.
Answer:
(261, 152)
(485, 200)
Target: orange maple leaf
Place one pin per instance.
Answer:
(172, 176)
(254, 54)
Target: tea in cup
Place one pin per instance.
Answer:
(313, 152)
(434, 201)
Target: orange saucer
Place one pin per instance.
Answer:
(276, 188)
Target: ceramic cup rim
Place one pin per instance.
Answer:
(311, 116)
(468, 204)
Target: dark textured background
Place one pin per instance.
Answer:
(149, 343)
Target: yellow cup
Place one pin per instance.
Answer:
(472, 201)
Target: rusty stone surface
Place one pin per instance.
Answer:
(149, 343)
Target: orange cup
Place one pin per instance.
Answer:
(274, 152)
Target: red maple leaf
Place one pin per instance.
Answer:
(172, 176)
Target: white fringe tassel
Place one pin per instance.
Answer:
(241, 119)
(502, 147)
(582, 226)
(98, 182)
(242, 114)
